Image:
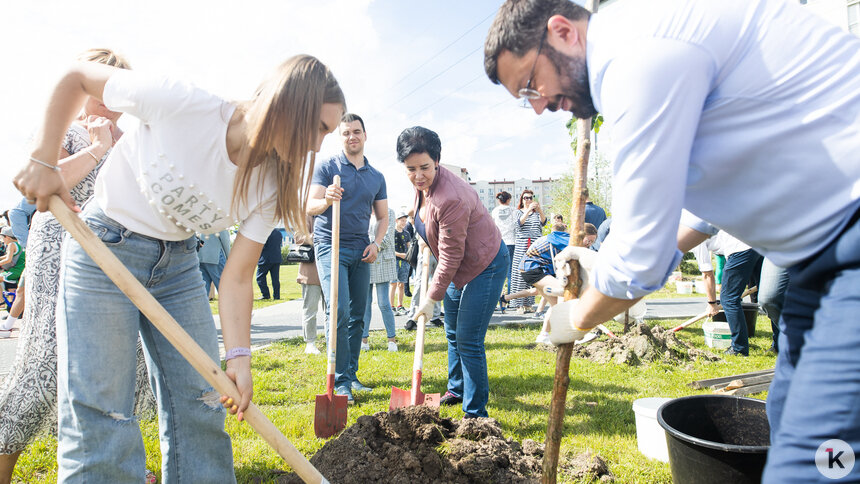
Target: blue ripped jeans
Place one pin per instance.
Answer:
(97, 328)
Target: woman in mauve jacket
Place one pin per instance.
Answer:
(472, 264)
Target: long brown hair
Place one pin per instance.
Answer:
(284, 121)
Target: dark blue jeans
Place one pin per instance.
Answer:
(272, 268)
(353, 285)
(816, 388)
(736, 274)
(511, 249)
(467, 315)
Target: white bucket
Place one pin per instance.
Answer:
(684, 287)
(650, 437)
(700, 286)
(717, 334)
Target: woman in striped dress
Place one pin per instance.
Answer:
(531, 219)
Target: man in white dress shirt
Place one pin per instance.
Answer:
(746, 113)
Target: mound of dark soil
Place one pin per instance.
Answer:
(414, 444)
(642, 344)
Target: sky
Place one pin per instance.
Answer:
(400, 63)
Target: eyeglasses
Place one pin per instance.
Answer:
(528, 93)
(527, 198)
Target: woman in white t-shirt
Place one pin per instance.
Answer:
(195, 163)
(506, 220)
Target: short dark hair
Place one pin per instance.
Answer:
(503, 196)
(519, 27)
(350, 117)
(418, 139)
(590, 229)
(559, 227)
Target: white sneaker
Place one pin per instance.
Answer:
(311, 349)
(543, 338)
(392, 346)
(5, 334)
(365, 347)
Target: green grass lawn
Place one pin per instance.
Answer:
(599, 415)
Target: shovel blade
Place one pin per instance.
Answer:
(403, 398)
(430, 399)
(329, 415)
(399, 398)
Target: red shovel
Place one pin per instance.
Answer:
(330, 411)
(405, 398)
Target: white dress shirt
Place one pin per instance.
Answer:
(745, 112)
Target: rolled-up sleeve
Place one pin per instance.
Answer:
(654, 96)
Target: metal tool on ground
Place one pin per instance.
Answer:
(745, 386)
(184, 344)
(405, 398)
(752, 378)
(706, 313)
(330, 410)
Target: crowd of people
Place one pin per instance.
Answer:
(750, 110)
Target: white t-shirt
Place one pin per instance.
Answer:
(722, 244)
(506, 220)
(745, 112)
(171, 176)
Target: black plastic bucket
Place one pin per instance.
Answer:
(750, 314)
(715, 438)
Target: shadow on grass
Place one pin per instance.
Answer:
(604, 405)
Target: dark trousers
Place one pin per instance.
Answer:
(736, 273)
(272, 268)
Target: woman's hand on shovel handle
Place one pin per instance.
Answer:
(239, 370)
(38, 182)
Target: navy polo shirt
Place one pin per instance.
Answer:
(362, 186)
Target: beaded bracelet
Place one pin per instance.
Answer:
(236, 352)
(46, 165)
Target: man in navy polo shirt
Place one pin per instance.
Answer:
(362, 191)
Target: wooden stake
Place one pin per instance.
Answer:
(555, 425)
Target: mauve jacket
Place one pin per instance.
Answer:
(460, 232)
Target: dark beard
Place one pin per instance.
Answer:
(573, 77)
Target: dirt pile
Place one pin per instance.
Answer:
(414, 444)
(587, 466)
(642, 344)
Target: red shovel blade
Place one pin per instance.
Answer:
(403, 398)
(399, 398)
(329, 415)
(330, 411)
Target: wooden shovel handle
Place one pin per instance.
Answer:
(418, 362)
(187, 347)
(335, 281)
